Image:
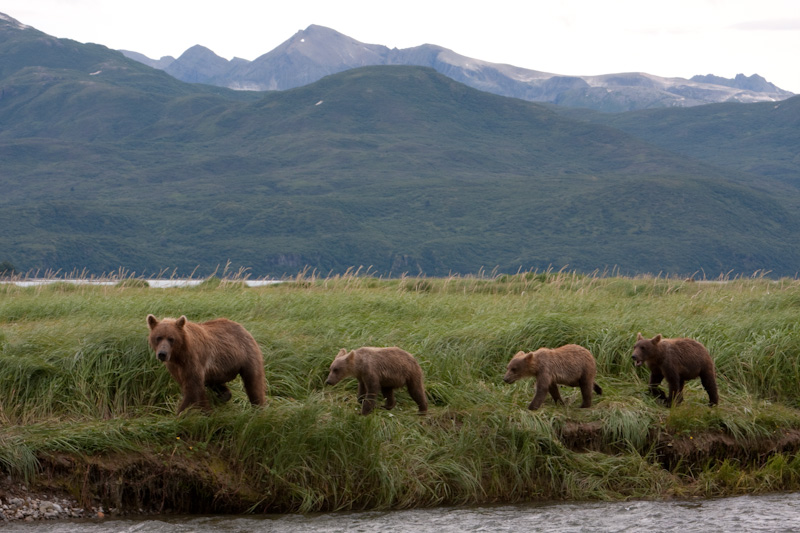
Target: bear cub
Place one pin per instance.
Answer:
(379, 370)
(570, 365)
(677, 360)
(208, 354)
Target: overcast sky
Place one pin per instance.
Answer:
(576, 37)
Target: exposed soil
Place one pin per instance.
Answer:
(688, 451)
(140, 484)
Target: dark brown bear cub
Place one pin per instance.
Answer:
(677, 360)
(379, 369)
(208, 354)
(571, 365)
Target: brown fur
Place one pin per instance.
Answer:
(380, 369)
(677, 360)
(208, 354)
(570, 365)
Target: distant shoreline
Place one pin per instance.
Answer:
(155, 283)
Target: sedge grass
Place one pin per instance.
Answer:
(77, 378)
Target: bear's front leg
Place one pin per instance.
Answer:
(553, 389)
(362, 391)
(194, 393)
(675, 387)
(371, 389)
(541, 394)
(656, 377)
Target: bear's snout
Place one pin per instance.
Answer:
(162, 356)
(636, 361)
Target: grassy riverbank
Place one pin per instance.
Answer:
(86, 408)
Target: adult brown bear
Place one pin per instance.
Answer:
(380, 369)
(677, 360)
(571, 365)
(208, 354)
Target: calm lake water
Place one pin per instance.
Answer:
(773, 513)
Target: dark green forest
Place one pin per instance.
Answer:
(107, 163)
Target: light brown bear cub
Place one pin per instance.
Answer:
(677, 360)
(570, 365)
(380, 369)
(208, 354)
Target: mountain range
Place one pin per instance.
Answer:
(318, 51)
(109, 163)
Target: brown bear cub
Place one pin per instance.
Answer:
(379, 369)
(677, 360)
(208, 354)
(570, 365)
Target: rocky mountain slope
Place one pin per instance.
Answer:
(317, 51)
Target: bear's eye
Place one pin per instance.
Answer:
(159, 339)
(170, 340)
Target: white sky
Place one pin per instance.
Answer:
(578, 37)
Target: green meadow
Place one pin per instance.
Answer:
(86, 408)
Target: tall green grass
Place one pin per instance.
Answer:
(77, 379)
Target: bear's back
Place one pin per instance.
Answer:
(388, 363)
(570, 362)
(688, 353)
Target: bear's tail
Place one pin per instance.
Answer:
(597, 389)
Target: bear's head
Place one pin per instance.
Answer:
(520, 366)
(344, 365)
(166, 337)
(645, 349)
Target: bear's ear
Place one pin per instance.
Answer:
(519, 354)
(656, 339)
(529, 356)
(639, 336)
(342, 352)
(352, 355)
(181, 321)
(152, 321)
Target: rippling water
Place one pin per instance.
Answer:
(772, 513)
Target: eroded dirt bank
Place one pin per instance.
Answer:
(71, 486)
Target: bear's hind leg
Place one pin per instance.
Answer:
(417, 393)
(709, 381)
(586, 394)
(388, 393)
(222, 391)
(255, 384)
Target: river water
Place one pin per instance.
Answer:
(766, 513)
(156, 283)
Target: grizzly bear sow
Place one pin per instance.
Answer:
(571, 365)
(208, 354)
(677, 360)
(379, 369)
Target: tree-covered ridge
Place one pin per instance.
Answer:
(108, 163)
